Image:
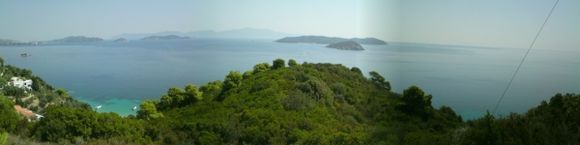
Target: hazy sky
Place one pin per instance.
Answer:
(495, 23)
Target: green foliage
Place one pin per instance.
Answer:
(357, 70)
(278, 63)
(292, 63)
(177, 97)
(301, 104)
(233, 80)
(13, 91)
(41, 92)
(61, 123)
(148, 110)
(8, 116)
(556, 122)
(247, 74)
(317, 89)
(174, 97)
(297, 101)
(61, 92)
(416, 102)
(3, 138)
(211, 89)
(378, 79)
(65, 125)
(261, 67)
(193, 94)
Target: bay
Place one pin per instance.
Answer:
(119, 76)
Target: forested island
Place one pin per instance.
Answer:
(329, 40)
(346, 45)
(334, 42)
(77, 39)
(281, 103)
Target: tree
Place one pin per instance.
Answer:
(261, 67)
(211, 90)
(379, 80)
(10, 90)
(148, 111)
(356, 70)
(1, 65)
(278, 63)
(65, 123)
(449, 113)
(61, 92)
(165, 102)
(317, 89)
(8, 116)
(416, 102)
(193, 94)
(292, 63)
(233, 80)
(177, 95)
(247, 74)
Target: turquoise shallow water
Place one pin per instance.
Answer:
(120, 75)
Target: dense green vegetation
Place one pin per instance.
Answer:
(41, 94)
(556, 122)
(9, 116)
(296, 104)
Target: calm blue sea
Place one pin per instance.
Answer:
(469, 79)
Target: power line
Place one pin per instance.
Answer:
(524, 58)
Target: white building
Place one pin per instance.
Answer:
(20, 83)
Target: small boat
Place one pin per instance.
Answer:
(24, 54)
(134, 108)
(99, 107)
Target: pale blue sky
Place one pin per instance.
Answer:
(495, 23)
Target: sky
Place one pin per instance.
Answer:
(490, 23)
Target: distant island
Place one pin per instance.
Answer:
(346, 45)
(244, 33)
(65, 40)
(77, 39)
(6, 42)
(120, 40)
(334, 42)
(329, 40)
(166, 37)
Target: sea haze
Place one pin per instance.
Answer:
(469, 79)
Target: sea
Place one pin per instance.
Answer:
(119, 75)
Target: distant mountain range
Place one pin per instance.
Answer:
(246, 33)
(66, 40)
(166, 37)
(6, 42)
(77, 39)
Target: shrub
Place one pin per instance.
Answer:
(278, 63)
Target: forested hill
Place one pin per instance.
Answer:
(38, 96)
(291, 103)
